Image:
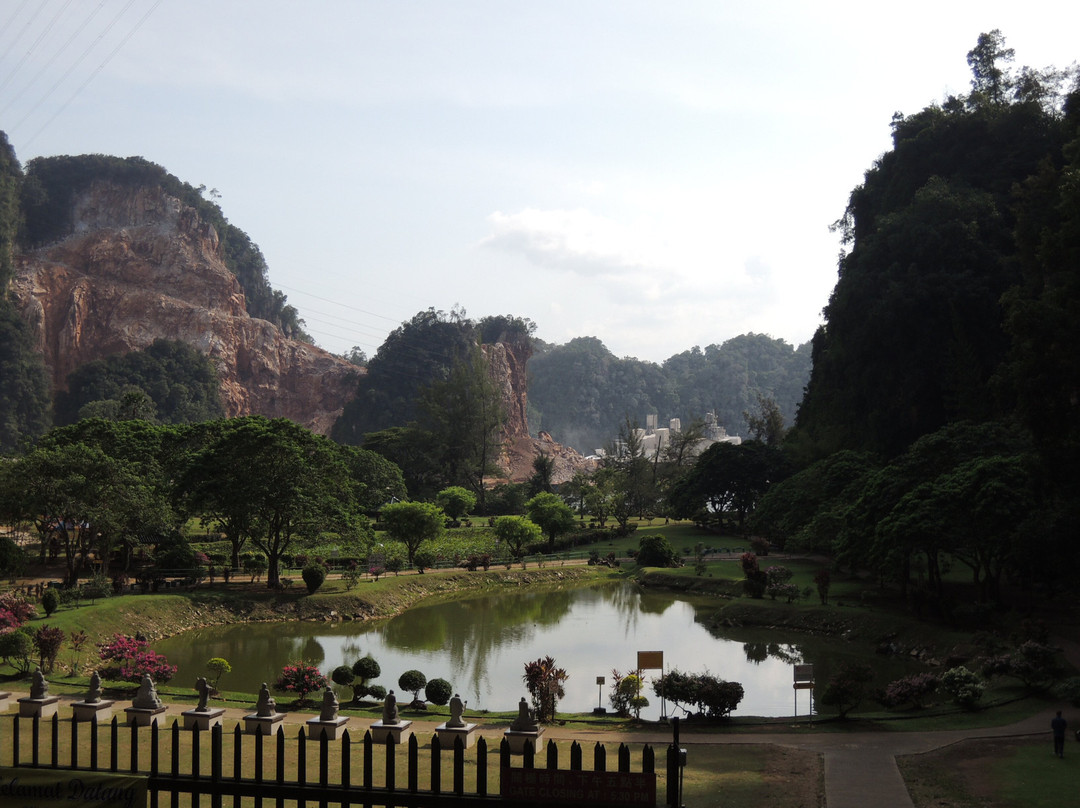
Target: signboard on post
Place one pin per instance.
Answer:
(804, 680)
(650, 660)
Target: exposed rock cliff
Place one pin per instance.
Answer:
(508, 368)
(142, 266)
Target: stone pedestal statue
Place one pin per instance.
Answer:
(203, 716)
(39, 703)
(93, 707)
(329, 724)
(266, 719)
(456, 727)
(391, 728)
(146, 707)
(523, 729)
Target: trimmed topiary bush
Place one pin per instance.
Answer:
(438, 691)
(314, 575)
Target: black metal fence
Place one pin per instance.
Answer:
(234, 768)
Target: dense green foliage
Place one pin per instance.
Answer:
(122, 490)
(181, 383)
(942, 410)
(915, 332)
(581, 393)
(24, 385)
(52, 183)
(429, 404)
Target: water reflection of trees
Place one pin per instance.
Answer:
(758, 652)
(471, 631)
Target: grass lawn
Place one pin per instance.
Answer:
(994, 773)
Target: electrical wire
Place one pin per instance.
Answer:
(98, 69)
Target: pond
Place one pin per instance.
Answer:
(481, 644)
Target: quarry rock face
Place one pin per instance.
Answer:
(142, 266)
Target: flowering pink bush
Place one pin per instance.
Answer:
(14, 610)
(914, 690)
(301, 679)
(136, 659)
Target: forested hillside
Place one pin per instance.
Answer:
(582, 394)
(942, 416)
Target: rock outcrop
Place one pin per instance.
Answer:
(507, 362)
(142, 266)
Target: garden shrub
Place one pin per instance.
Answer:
(300, 678)
(963, 686)
(438, 691)
(50, 602)
(911, 690)
(847, 687)
(314, 575)
(135, 660)
(47, 643)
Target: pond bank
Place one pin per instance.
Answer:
(156, 616)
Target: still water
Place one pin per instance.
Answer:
(480, 646)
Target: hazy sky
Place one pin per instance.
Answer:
(656, 174)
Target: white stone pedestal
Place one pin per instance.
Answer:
(97, 711)
(517, 740)
(202, 719)
(255, 724)
(448, 735)
(143, 716)
(381, 732)
(42, 708)
(318, 728)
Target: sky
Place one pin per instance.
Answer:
(660, 175)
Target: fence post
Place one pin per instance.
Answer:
(436, 764)
(280, 764)
(391, 769)
(599, 757)
(35, 742)
(369, 764)
(528, 755)
(648, 760)
(459, 765)
(55, 752)
(346, 759)
(575, 757)
(154, 755)
(481, 767)
(114, 743)
(215, 764)
(94, 745)
(75, 743)
(624, 758)
(552, 755)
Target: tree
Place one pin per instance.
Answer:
(300, 484)
(413, 523)
(543, 472)
(847, 687)
(413, 682)
(516, 533)
(989, 80)
(767, 424)
(463, 417)
(551, 514)
(456, 501)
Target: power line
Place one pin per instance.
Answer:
(56, 55)
(44, 32)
